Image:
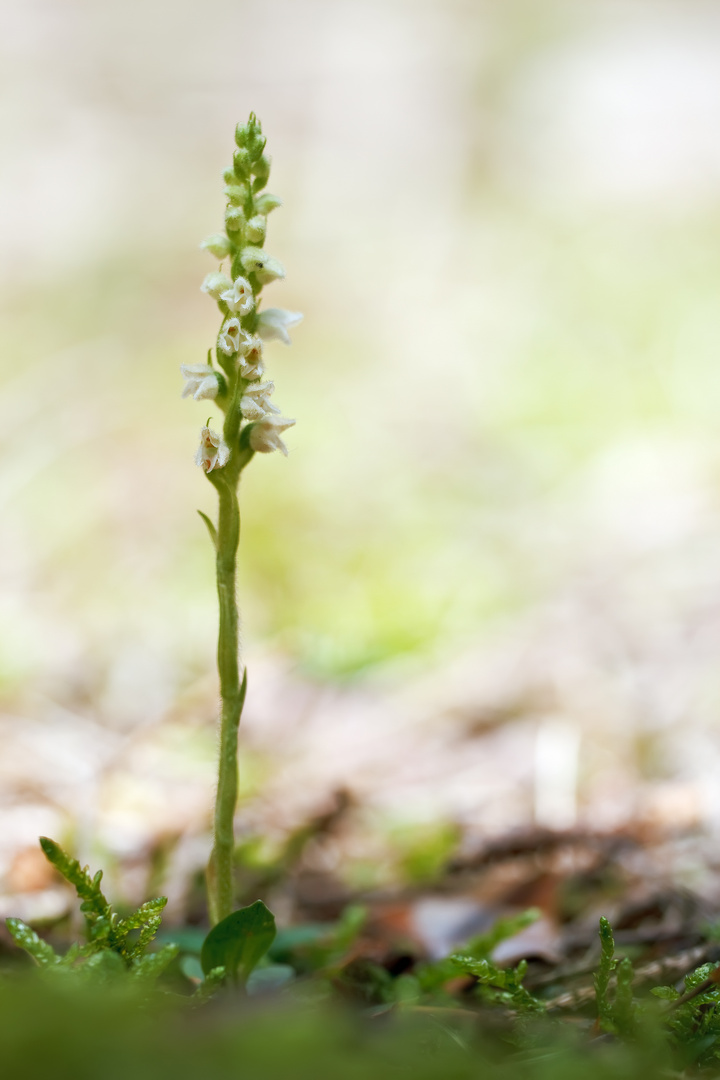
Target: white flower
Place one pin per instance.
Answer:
(212, 453)
(256, 261)
(217, 244)
(201, 381)
(216, 283)
(255, 402)
(265, 435)
(239, 297)
(274, 323)
(251, 364)
(232, 338)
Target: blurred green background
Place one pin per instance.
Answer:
(502, 221)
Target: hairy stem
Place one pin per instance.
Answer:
(232, 694)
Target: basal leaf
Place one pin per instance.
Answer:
(239, 941)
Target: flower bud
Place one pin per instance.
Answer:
(236, 193)
(250, 137)
(241, 164)
(217, 244)
(256, 229)
(229, 176)
(261, 170)
(234, 218)
(267, 202)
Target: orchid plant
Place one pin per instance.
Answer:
(239, 938)
(252, 424)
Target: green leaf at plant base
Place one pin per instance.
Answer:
(239, 941)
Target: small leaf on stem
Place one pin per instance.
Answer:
(210, 528)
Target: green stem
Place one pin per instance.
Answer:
(232, 693)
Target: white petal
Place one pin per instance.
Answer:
(274, 323)
(195, 369)
(216, 283)
(208, 388)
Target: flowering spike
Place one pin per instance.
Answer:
(252, 424)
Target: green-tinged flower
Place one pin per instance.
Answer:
(236, 193)
(242, 163)
(274, 323)
(234, 218)
(267, 202)
(256, 261)
(265, 435)
(202, 381)
(212, 452)
(215, 284)
(217, 244)
(256, 229)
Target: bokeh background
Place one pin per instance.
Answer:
(484, 589)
